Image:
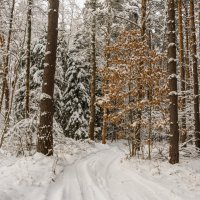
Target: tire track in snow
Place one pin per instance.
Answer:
(99, 176)
(119, 184)
(141, 187)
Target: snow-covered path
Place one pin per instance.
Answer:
(101, 176)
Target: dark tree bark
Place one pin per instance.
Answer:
(108, 37)
(182, 69)
(45, 135)
(187, 59)
(5, 89)
(93, 75)
(2, 44)
(149, 96)
(28, 59)
(195, 73)
(173, 108)
(143, 17)
(199, 26)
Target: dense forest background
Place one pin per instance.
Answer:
(124, 69)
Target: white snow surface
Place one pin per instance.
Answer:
(89, 171)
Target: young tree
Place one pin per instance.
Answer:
(5, 89)
(45, 135)
(173, 108)
(125, 78)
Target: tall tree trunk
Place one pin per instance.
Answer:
(93, 75)
(28, 59)
(108, 37)
(195, 73)
(2, 44)
(143, 31)
(199, 28)
(6, 91)
(187, 59)
(143, 17)
(104, 128)
(149, 96)
(45, 135)
(173, 108)
(182, 70)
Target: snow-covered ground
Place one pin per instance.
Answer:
(88, 171)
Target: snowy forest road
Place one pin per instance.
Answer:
(101, 176)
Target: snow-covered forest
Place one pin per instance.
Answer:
(99, 99)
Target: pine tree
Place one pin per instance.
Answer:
(173, 108)
(75, 111)
(35, 79)
(45, 135)
(75, 115)
(60, 86)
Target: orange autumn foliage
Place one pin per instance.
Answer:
(133, 71)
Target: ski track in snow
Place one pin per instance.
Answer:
(100, 176)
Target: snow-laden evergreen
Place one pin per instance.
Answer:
(36, 71)
(76, 94)
(36, 74)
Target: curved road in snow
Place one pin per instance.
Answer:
(100, 176)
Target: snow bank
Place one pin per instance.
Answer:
(27, 178)
(182, 180)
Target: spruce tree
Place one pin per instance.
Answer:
(76, 94)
